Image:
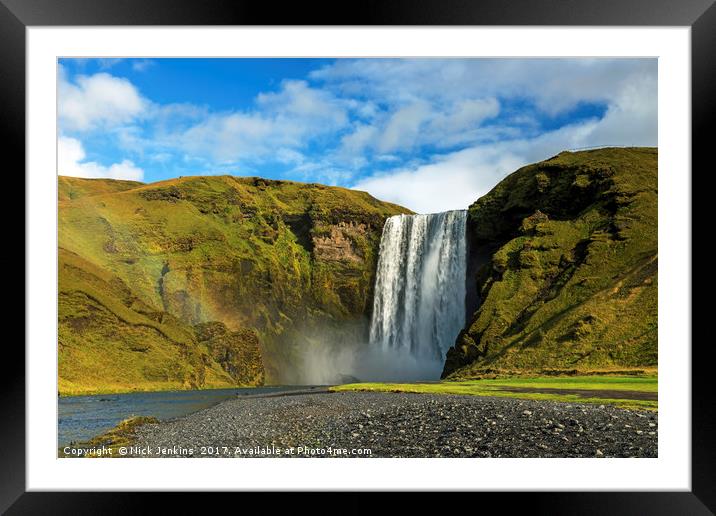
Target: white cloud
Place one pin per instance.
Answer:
(231, 136)
(287, 119)
(297, 99)
(382, 111)
(99, 100)
(417, 124)
(467, 113)
(362, 136)
(632, 118)
(141, 65)
(402, 129)
(70, 162)
(321, 171)
(450, 183)
(289, 156)
(455, 180)
(554, 85)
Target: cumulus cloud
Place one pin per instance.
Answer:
(465, 115)
(438, 133)
(228, 137)
(362, 136)
(71, 162)
(97, 100)
(450, 182)
(555, 85)
(298, 99)
(446, 103)
(420, 124)
(456, 179)
(403, 126)
(285, 120)
(632, 116)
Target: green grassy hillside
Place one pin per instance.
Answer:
(111, 341)
(564, 262)
(69, 188)
(143, 268)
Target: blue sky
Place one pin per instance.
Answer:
(430, 134)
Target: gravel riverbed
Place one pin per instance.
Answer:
(347, 424)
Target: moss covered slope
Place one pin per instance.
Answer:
(564, 263)
(111, 341)
(69, 188)
(274, 259)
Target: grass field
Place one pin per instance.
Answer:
(630, 389)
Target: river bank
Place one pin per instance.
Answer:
(380, 424)
(81, 418)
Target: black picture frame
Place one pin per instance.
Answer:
(700, 15)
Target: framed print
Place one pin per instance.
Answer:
(450, 242)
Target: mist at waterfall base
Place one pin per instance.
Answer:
(328, 362)
(418, 307)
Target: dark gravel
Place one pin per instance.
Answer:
(402, 425)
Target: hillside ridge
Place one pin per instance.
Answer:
(563, 268)
(281, 265)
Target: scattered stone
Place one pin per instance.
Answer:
(411, 425)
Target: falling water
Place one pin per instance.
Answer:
(419, 301)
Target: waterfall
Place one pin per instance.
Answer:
(419, 299)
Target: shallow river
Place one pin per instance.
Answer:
(82, 417)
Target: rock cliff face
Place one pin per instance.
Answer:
(563, 267)
(339, 245)
(274, 262)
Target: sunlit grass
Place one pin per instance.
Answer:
(490, 387)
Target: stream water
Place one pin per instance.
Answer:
(83, 417)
